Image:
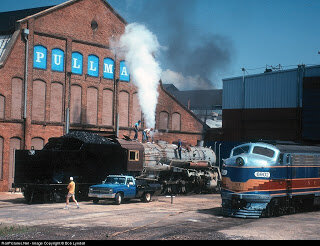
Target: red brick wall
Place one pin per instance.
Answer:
(69, 29)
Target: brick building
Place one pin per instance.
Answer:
(58, 74)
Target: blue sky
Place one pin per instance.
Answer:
(214, 39)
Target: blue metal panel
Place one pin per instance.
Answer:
(280, 89)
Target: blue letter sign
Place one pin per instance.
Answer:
(40, 57)
(77, 60)
(57, 60)
(93, 66)
(124, 72)
(108, 67)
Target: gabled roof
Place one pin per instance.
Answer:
(67, 3)
(198, 99)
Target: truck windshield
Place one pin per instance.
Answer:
(115, 180)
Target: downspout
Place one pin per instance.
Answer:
(25, 34)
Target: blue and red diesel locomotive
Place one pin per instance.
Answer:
(263, 180)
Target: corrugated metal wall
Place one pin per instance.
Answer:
(274, 105)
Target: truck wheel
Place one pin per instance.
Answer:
(95, 201)
(146, 197)
(118, 199)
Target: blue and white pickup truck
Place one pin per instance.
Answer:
(119, 187)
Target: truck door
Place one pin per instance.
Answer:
(131, 191)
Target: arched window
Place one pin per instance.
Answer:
(136, 109)
(163, 120)
(93, 66)
(176, 122)
(108, 68)
(37, 143)
(16, 100)
(2, 106)
(107, 107)
(38, 100)
(77, 63)
(56, 102)
(1, 157)
(15, 144)
(92, 105)
(57, 60)
(124, 109)
(75, 107)
(40, 57)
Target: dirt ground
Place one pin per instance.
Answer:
(196, 217)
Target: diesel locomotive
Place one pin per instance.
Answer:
(89, 158)
(264, 180)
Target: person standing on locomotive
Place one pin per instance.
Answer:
(136, 129)
(179, 148)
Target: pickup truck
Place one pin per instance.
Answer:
(120, 187)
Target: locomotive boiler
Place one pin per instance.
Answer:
(263, 180)
(89, 158)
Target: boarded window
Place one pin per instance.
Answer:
(136, 110)
(15, 144)
(75, 108)
(123, 109)
(56, 102)
(2, 106)
(38, 100)
(92, 105)
(37, 143)
(1, 158)
(107, 107)
(16, 102)
(163, 120)
(176, 122)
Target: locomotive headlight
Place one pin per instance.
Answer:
(240, 161)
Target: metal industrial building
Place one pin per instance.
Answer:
(58, 74)
(280, 105)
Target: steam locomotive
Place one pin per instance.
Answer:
(89, 158)
(263, 180)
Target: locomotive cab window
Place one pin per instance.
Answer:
(263, 151)
(133, 155)
(241, 150)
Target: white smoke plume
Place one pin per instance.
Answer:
(139, 46)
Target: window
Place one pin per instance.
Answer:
(176, 122)
(240, 150)
(93, 66)
(38, 100)
(136, 109)
(57, 60)
(77, 63)
(124, 72)
(92, 106)
(75, 107)
(2, 106)
(40, 57)
(163, 120)
(124, 109)
(133, 155)
(1, 158)
(16, 102)
(37, 143)
(107, 107)
(263, 151)
(56, 102)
